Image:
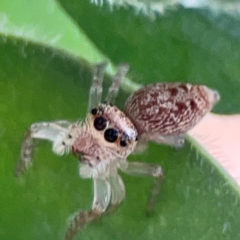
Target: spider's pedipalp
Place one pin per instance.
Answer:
(117, 80)
(95, 93)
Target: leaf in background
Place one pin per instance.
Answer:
(180, 45)
(38, 83)
(45, 22)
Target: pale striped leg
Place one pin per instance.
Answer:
(102, 194)
(103, 190)
(43, 130)
(95, 93)
(118, 193)
(146, 169)
(176, 141)
(117, 80)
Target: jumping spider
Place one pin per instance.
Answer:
(160, 112)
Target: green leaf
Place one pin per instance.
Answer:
(179, 45)
(45, 22)
(38, 82)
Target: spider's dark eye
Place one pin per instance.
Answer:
(94, 111)
(123, 143)
(111, 135)
(100, 123)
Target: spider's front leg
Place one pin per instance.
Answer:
(95, 93)
(146, 169)
(116, 83)
(104, 189)
(52, 131)
(102, 194)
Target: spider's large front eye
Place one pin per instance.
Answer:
(100, 123)
(111, 135)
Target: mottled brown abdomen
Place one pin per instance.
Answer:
(169, 108)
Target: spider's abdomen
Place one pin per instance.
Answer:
(169, 108)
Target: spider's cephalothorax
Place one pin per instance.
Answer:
(161, 112)
(106, 138)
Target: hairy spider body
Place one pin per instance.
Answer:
(161, 112)
(102, 157)
(164, 112)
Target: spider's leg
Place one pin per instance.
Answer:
(52, 131)
(176, 141)
(146, 169)
(102, 194)
(63, 123)
(95, 93)
(117, 189)
(114, 88)
(117, 193)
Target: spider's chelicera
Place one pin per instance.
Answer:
(160, 112)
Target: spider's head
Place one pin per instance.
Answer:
(107, 136)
